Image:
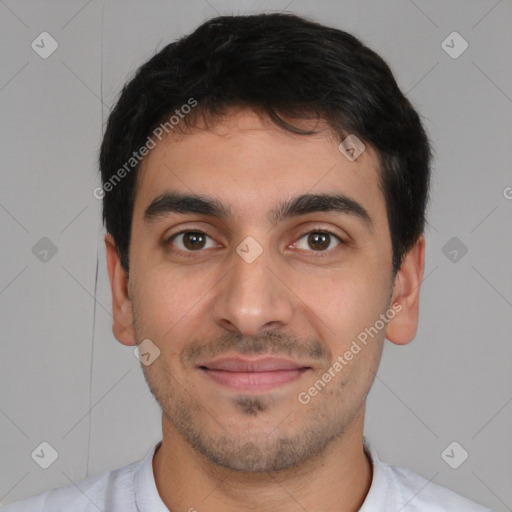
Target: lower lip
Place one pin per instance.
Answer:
(254, 381)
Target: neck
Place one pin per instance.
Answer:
(336, 480)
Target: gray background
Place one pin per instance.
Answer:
(66, 380)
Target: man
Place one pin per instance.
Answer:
(264, 192)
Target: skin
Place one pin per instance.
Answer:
(223, 449)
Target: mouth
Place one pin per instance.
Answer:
(256, 375)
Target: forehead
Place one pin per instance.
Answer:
(249, 164)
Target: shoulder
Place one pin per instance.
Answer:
(419, 494)
(112, 491)
(397, 488)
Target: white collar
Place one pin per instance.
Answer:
(147, 497)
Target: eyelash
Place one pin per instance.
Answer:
(189, 253)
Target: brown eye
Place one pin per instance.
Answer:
(318, 241)
(192, 241)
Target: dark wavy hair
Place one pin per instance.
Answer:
(284, 66)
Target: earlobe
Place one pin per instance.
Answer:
(406, 293)
(122, 326)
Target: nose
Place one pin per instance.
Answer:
(252, 299)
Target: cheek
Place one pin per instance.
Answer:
(346, 307)
(167, 301)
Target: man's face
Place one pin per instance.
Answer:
(246, 326)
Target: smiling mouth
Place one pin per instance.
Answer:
(254, 375)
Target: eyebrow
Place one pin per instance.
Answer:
(178, 203)
(170, 203)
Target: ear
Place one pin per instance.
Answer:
(406, 293)
(122, 326)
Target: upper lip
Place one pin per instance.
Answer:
(262, 364)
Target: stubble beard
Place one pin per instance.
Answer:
(244, 450)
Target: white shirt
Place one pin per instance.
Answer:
(132, 488)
